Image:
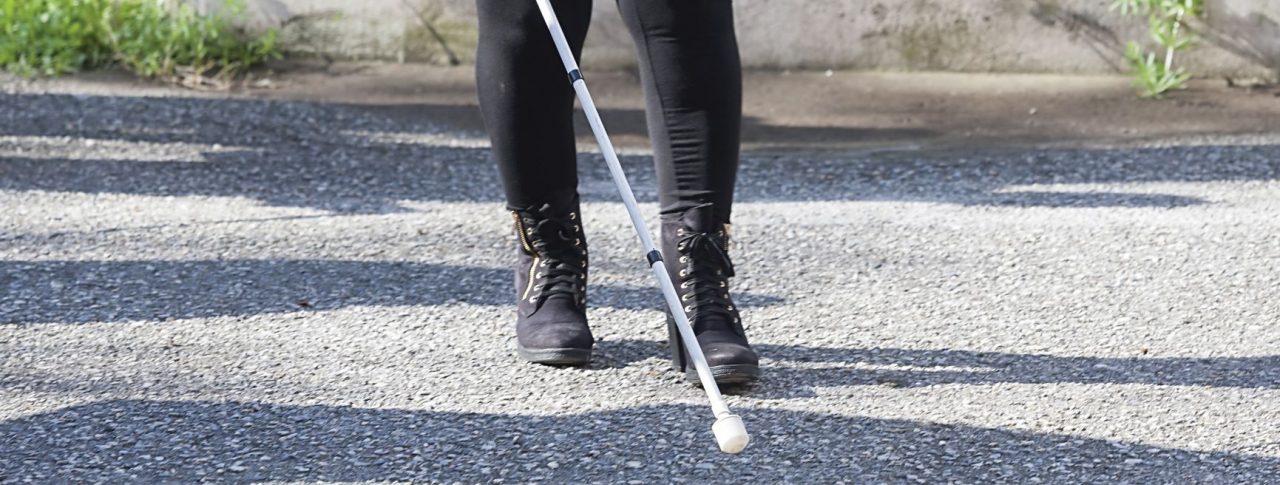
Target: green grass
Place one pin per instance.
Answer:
(53, 37)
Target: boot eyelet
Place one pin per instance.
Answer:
(684, 285)
(680, 231)
(584, 264)
(685, 298)
(577, 242)
(680, 247)
(533, 299)
(539, 275)
(537, 287)
(573, 215)
(684, 273)
(730, 308)
(684, 259)
(688, 308)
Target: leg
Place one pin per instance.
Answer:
(526, 100)
(693, 88)
(527, 103)
(693, 84)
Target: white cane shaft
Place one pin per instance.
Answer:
(664, 280)
(615, 168)
(691, 342)
(597, 126)
(557, 35)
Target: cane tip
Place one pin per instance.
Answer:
(731, 434)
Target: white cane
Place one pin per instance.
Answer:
(730, 433)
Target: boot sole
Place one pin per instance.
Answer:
(727, 375)
(569, 356)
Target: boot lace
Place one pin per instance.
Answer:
(706, 271)
(562, 266)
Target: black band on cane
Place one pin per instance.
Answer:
(653, 257)
(575, 76)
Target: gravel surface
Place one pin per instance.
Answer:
(195, 289)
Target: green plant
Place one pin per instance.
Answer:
(52, 37)
(1165, 20)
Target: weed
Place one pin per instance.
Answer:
(53, 37)
(1165, 19)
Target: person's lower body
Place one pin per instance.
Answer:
(691, 74)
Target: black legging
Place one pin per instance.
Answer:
(693, 89)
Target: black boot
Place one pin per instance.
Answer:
(551, 282)
(695, 250)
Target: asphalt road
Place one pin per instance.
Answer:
(231, 291)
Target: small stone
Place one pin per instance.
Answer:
(634, 464)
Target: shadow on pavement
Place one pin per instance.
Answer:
(797, 371)
(919, 368)
(347, 160)
(242, 442)
(94, 291)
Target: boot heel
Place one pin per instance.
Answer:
(676, 345)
